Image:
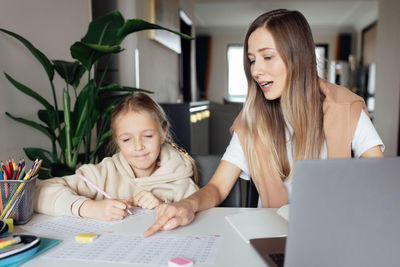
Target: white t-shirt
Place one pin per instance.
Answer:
(365, 137)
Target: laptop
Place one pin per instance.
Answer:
(344, 212)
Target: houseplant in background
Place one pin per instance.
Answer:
(70, 129)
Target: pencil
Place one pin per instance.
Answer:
(97, 188)
(1, 191)
(14, 166)
(22, 173)
(9, 169)
(5, 178)
(16, 172)
(37, 167)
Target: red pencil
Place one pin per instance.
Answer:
(11, 168)
(16, 173)
(9, 174)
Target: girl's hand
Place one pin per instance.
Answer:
(106, 209)
(146, 200)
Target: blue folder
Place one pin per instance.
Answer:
(20, 258)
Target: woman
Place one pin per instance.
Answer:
(289, 114)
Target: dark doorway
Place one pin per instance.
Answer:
(185, 61)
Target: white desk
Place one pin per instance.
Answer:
(233, 251)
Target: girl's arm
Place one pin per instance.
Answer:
(59, 196)
(172, 215)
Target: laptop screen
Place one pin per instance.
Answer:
(344, 212)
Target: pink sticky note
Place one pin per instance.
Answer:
(180, 262)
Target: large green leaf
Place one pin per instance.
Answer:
(106, 113)
(38, 153)
(31, 93)
(43, 115)
(35, 125)
(104, 30)
(105, 49)
(100, 141)
(104, 137)
(95, 114)
(60, 170)
(61, 141)
(44, 173)
(80, 113)
(135, 25)
(36, 53)
(88, 54)
(68, 131)
(71, 72)
(85, 54)
(100, 39)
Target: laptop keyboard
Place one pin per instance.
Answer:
(278, 259)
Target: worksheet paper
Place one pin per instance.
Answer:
(67, 227)
(136, 249)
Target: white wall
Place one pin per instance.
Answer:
(388, 75)
(52, 26)
(158, 65)
(126, 59)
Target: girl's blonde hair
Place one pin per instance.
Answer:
(300, 103)
(140, 102)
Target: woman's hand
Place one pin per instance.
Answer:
(146, 200)
(172, 215)
(106, 209)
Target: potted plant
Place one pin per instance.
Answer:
(68, 127)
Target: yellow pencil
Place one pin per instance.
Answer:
(10, 241)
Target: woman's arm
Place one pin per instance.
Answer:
(373, 152)
(172, 215)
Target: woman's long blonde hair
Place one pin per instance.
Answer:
(300, 103)
(140, 102)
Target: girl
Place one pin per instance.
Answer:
(289, 114)
(149, 169)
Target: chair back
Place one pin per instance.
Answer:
(207, 164)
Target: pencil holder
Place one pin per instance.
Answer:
(20, 195)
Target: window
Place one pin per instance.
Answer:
(237, 83)
(321, 52)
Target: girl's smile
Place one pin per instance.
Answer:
(139, 138)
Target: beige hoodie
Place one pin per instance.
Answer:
(64, 196)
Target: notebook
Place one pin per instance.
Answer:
(344, 212)
(275, 223)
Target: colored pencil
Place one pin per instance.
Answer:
(36, 169)
(22, 174)
(13, 164)
(97, 188)
(16, 172)
(1, 191)
(5, 178)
